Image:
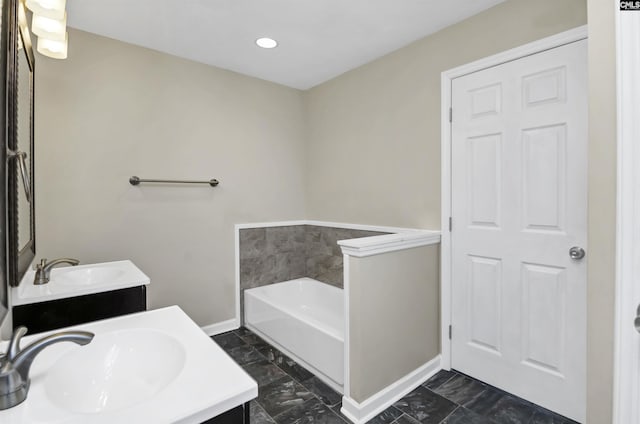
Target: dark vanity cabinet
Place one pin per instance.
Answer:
(237, 415)
(59, 313)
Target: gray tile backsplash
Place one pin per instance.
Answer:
(274, 254)
(324, 256)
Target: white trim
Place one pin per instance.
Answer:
(220, 327)
(270, 224)
(627, 342)
(363, 412)
(573, 35)
(375, 245)
(362, 227)
(346, 287)
(237, 274)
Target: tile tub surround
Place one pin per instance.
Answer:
(274, 254)
(289, 394)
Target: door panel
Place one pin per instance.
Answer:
(519, 197)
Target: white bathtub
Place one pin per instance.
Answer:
(305, 319)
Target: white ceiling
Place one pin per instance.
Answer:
(318, 39)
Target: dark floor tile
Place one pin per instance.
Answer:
(245, 354)
(264, 372)
(281, 395)
(228, 340)
(460, 389)
(463, 415)
(336, 409)
(284, 362)
(258, 415)
(542, 416)
(387, 416)
(441, 377)
(310, 412)
(405, 419)
(511, 410)
(326, 394)
(242, 331)
(249, 336)
(425, 406)
(483, 403)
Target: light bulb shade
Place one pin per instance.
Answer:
(51, 29)
(53, 9)
(53, 48)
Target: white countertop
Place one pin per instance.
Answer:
(209, 384)
(125, 275)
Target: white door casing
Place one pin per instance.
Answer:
(519, 202)
(626, 405)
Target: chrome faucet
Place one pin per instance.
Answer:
(43, 269)
(15, 364)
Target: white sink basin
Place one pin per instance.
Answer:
(78, 281)
(116, 370)
(150, 367)
(87, 276)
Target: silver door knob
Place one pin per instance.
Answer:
(576, 253)
(636, 321)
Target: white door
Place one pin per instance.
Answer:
(519, 203)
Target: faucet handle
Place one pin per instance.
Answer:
(41, 265)
(14, 344)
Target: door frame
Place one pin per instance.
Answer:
(447, 77)
(626, 388)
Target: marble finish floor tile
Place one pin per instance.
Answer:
(287, 364)
(405, 419)
(460, 389)
(228, 340)
(548, 417)
(441, 377)
(257, 414)
(425, 406)
(264, 372)
(289, 394)
(326, 394)
(511, 410)
(310, 412)
(463, 415)
(282, 395)
(387, 416)
(245, 354)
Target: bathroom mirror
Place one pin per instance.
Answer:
(4, 39)
(20, 171)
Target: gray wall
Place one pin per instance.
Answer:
(394, 316)
(113, 110)
(602, 211)
(387, 115)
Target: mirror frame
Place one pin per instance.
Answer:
(5, 7)
(19, 260)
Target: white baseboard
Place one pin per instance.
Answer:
(221, 327)
(360, 413)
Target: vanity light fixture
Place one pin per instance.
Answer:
(56, 49)
(52, 29)
(266, 43)
(54, 9)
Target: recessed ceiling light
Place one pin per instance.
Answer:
(266, 43)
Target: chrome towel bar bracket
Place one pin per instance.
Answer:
(137, 180)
